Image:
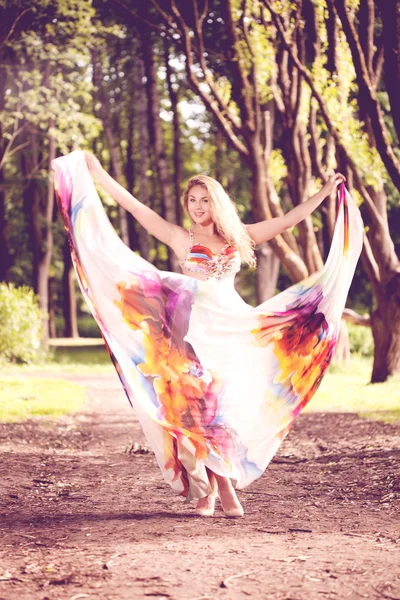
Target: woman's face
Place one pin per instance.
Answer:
(199, 208)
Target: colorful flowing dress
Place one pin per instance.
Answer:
(214, 382)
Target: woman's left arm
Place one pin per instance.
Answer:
(266, 230)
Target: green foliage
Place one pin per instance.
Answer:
(361, 340)
(46, 70)
(338, 93)
(81, 357)
(20, 325)
(87, 327)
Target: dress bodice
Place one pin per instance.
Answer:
(203, 260)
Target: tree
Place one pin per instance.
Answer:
(43, 101)
(230, 53)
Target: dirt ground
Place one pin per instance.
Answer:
(85, 514)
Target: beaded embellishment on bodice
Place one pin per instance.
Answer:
(201, 259)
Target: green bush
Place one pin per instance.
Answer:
(361, 340)
(87, 326)
(20, 325)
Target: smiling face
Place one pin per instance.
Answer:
(198, 205)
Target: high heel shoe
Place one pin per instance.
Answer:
(207, 511)
(232, 513)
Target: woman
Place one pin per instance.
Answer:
(216, 384)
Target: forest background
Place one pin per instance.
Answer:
(266, 96)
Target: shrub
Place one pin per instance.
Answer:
(87, 326)
(361, 340)
(20, 325)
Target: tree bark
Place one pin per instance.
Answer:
(159, 148)
(130, 171)
(144, 164)
(46, 241)
(379, 257)
(260, 205)
(385, 323)
(111, 142)
(52, 311)
(267, 273)
(173, 96)
(244, 132)
(341, 353)
(218, 166)
(4, 250)
(391, 39)
(368, 91)
(31, 204)
(69, 295)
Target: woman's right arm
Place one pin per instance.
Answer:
(168, 233)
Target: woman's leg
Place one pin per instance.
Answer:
(222, 487)
(205, 506)
(229, 500)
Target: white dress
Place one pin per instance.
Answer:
(214, 382)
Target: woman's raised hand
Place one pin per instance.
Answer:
(332, 183)
(93, 163)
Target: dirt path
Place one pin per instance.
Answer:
(80, 517)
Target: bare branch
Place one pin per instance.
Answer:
(238, 64)
(138, 16)
(13, 26)
(314, 147)
(13, 151)
(221, 116)
(325, 114)
(370, 265)
(378, 64)
(7, 151)
(206, 71)
(204, 13)
(368, 93)
(352, 317)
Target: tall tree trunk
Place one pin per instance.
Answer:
(261, 187)
(385, 323)
(111, 142)
(52, 311)
(218, 155)
(159, 148)
(4, 251)
(385, 320)
(47, 239)
(173, 96)
(341, 353)
(69, 295)
(31, 203)
(144, 165)
(130, 162)
(391, 39)
(267, 273)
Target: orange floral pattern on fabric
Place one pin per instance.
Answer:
(303, 344)
(187, 404)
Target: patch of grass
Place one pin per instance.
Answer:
(347, 389)
(88, 356)
(28, 397)
(80, 358)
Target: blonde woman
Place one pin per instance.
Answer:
(216, 384)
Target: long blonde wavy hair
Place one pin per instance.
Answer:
(225, 217)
